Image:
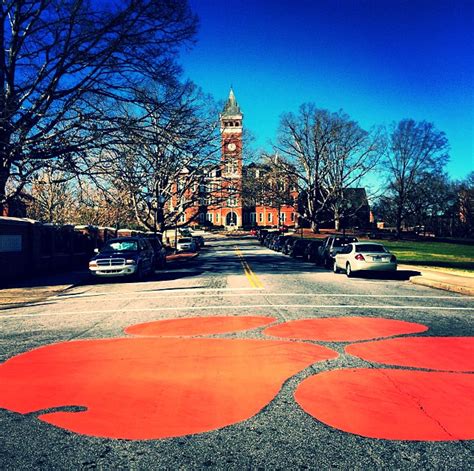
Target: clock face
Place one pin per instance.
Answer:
(231, 146)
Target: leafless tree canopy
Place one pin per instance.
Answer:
(163, 152)
(330, 153)
(417, 150)
(64, 64)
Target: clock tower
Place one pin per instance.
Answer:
(231, 162)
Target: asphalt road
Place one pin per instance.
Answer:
(231, 277)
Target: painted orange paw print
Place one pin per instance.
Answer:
(396, 404)
(166, 382)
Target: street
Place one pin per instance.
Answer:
(305, 395)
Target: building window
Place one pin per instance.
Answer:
(260, 217)
(283, 217)
(217, 217)
(270, 217)
(253, 218)
(231, 166)
(201, 217)
(292, 217)
(231, 201)
(209, 217)
(182, 217)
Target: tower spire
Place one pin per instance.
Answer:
(231, 106)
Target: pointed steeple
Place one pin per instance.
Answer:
(231, 107)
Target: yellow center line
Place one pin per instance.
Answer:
(251, 276)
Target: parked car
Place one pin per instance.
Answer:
(199, 240)
(261, 235)
(125, 256)
(311, 251)
(269, 237)
(186, 244)
(279, 241)
(298, 247)
(159, 251)
(287, 245)
(364, 256)
(331, 246)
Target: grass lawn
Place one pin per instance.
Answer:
(433, 254)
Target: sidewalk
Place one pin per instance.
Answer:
(457, 283)
(38, 289)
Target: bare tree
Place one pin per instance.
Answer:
(167, 150)
(417, 149)
(329, 153)
(63, 65)
(52, 197)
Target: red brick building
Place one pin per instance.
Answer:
(221, 199)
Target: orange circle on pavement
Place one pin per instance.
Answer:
(439, 353)
(343, 329)
(189, 326)
(392, 404)
(150, 388)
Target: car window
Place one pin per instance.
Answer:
(341, 241)
(346, 249)
(121, 246)
(368, 248)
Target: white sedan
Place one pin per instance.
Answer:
(364, 256)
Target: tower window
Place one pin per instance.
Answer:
(237, 123)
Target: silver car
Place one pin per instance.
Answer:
(364, 256)
(186, 244)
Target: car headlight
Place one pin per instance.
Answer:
(131, 261)
(92, 263)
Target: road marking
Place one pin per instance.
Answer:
(177, 294)
(243, 306)
(152, 292)
(251, 276)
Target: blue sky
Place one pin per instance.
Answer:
(378, 60)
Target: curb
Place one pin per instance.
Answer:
(16, 300)
(181, 257)
(420, 280)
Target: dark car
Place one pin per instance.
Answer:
(261, 234)
(287, 245)
(159, 252)
(269, 237)
(279, 241)
(125, 256)
(331, 246)
(311, 251)
(298, 248)
(199, 240)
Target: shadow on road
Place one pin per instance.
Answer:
(400, 275)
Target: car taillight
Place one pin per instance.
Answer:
(393, 259)
(359, 257)
(92, 263)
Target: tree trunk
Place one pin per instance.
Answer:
(4, 174)
(399, 221)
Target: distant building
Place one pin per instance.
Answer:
(221, 200)
(234, 195)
